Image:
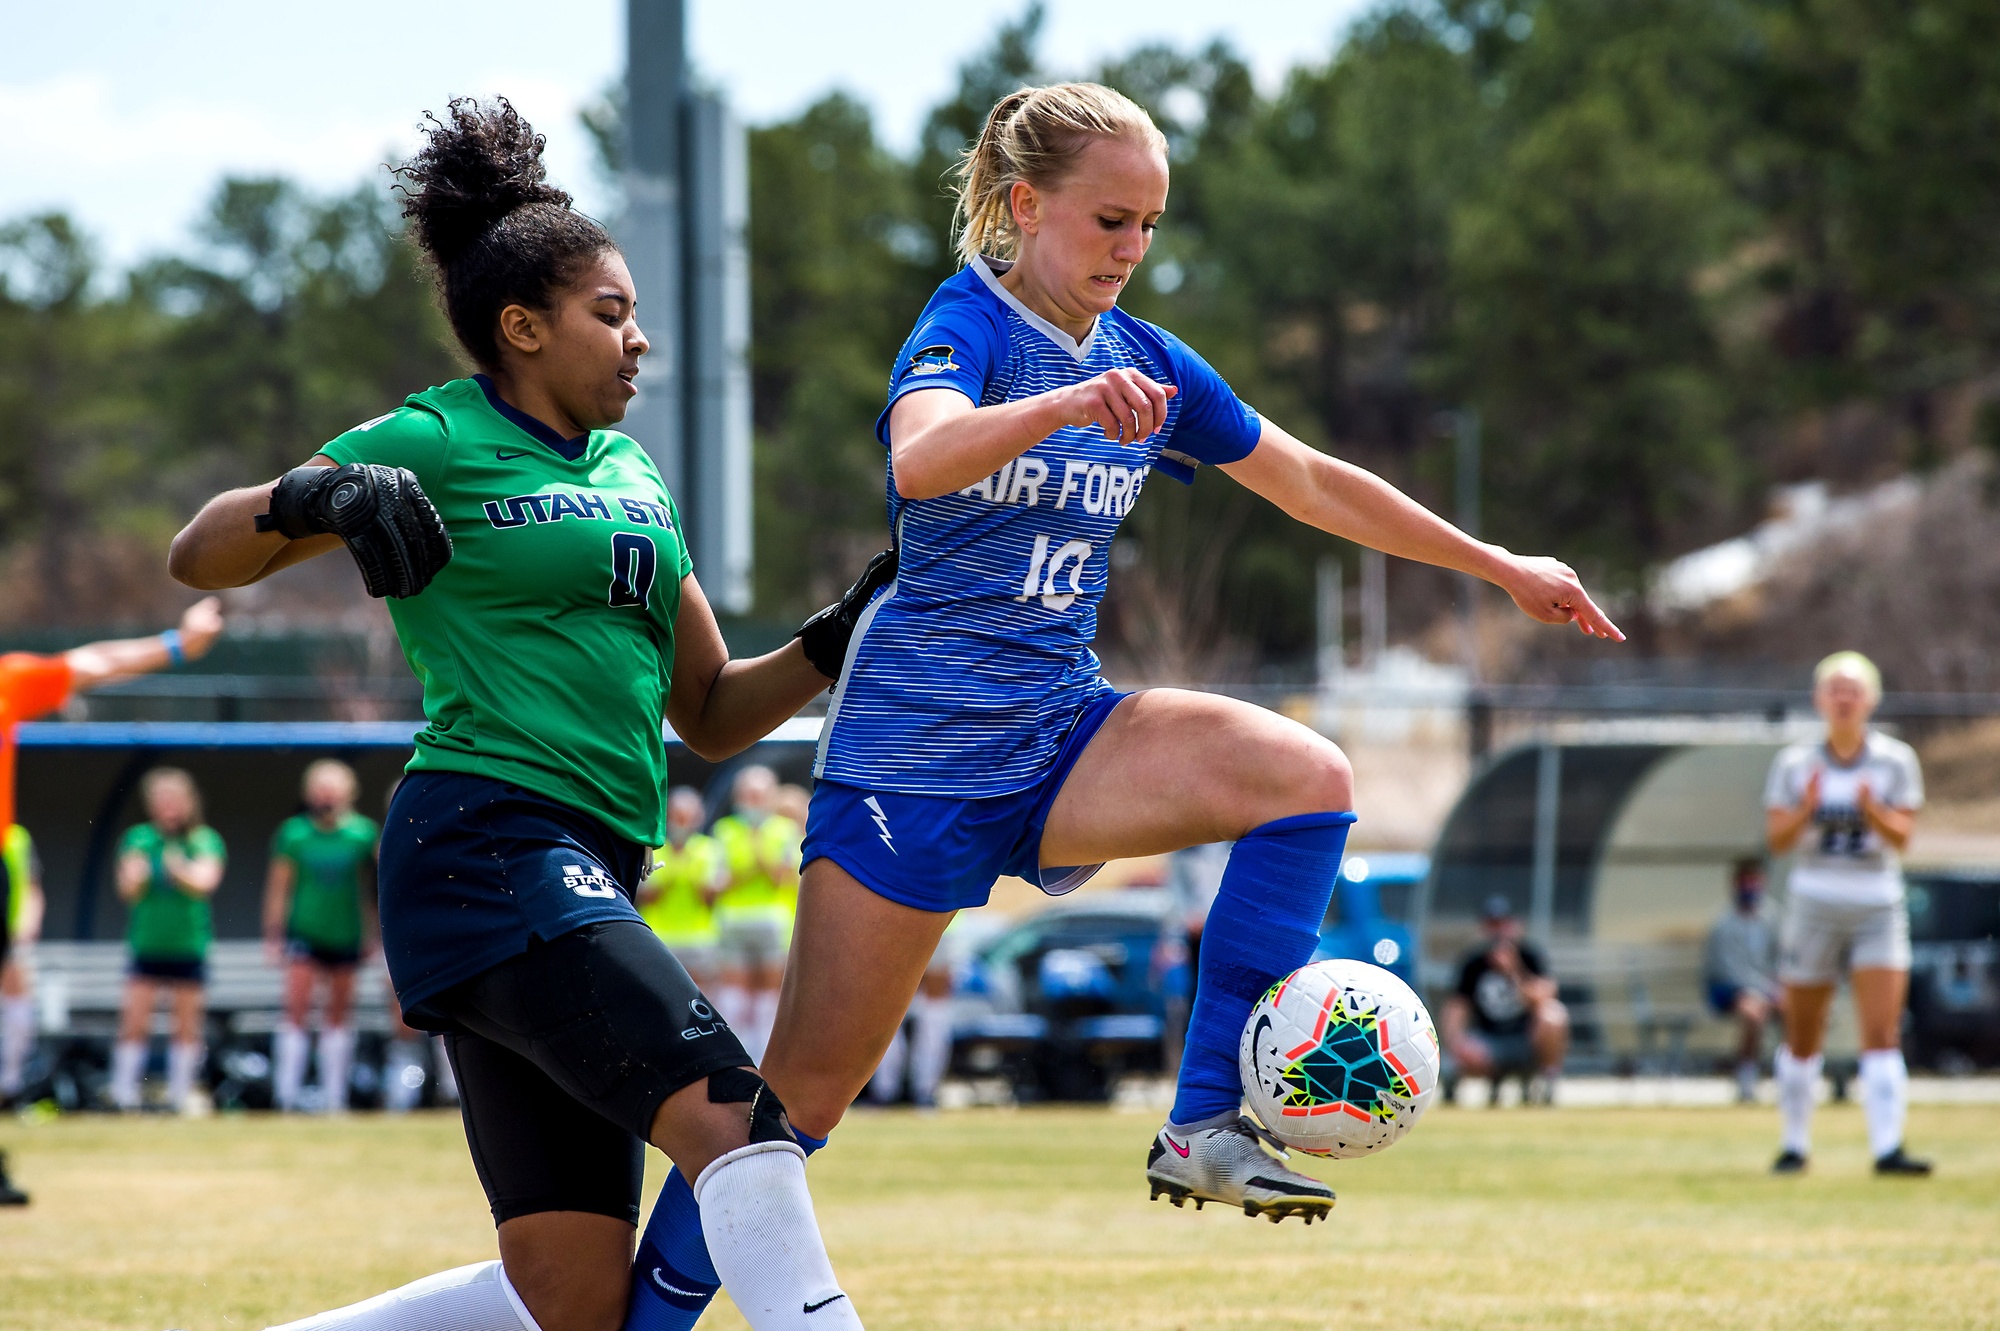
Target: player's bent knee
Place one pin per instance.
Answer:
(738, 1109)
(818, 1104)
(1328, 780)
(1311, 777)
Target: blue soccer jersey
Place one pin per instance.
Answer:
(963, 678)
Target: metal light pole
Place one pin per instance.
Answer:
(687, 207)
(655, 88)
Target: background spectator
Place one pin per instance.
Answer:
(678, 896)
(1845, 808)
(1194, 876)
(21, 908)
(319, 917)
(168, 868)
(754, 913)
(1740, 966)
(1504, 1016)
(921, 1047)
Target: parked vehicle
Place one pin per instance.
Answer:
(1068, 999)
(1954, 1016)
(1368, 919)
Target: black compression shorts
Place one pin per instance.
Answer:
(563, 1056)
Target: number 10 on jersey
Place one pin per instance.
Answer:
(1044, 570)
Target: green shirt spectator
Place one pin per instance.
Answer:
(328, 863)
(170, 916)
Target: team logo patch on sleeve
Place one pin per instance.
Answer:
(933, 360)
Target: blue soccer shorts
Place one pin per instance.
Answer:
(938, 852)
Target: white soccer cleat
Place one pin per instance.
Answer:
(1228, 1164)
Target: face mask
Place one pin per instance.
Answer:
(1748, 901)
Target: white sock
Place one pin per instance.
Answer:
(758, 1219)
(288, 1057)
(127, 1058)
(182, 1060)
(447, 1079)
(336, 1052)
(930, 1058)
(887, 1083)
(1798, 1083)
(1885, 1098)
(469, 1298)
(17, 1036)
(402, 1077)
(1746, 1079)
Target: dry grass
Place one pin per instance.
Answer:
(1574, 1219)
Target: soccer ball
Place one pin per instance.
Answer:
(1339, 1058)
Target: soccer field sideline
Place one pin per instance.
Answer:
(1038, 1218)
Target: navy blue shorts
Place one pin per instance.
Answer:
(174, 970)
(473, 869)
(339, 958)
(937, 852)
(1722, 996)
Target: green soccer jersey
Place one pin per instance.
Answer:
(169, 922)
(327, 865)
(545, 647)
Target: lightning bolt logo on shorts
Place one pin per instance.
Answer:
(882, 824)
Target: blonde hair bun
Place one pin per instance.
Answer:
(1035, 135)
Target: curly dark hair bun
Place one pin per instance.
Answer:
(471, 173)
(479, 204)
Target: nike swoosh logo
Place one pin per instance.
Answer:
(509, 457)
(661, 1281)
(1179, 1149)
(815, 1307)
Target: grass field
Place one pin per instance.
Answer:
(1038, 1218)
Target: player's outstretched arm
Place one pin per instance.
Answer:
(99, 663)
(721, 707)
(223, 548)
(1348, 501)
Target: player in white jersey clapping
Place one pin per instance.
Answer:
(1846, 807)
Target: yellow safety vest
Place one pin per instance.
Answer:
(681, 915)
(757, 893)
(18, 852)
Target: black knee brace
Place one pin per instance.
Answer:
(734, 1086)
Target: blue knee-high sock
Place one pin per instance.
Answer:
(1263, 926)
(673, 1280)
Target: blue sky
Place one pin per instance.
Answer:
(126, 112)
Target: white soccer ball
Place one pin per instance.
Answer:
(1339, 1058)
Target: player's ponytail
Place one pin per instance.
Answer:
(480, 205)
(1036, 135)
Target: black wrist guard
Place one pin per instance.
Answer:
(825, 636)
(386, 520)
